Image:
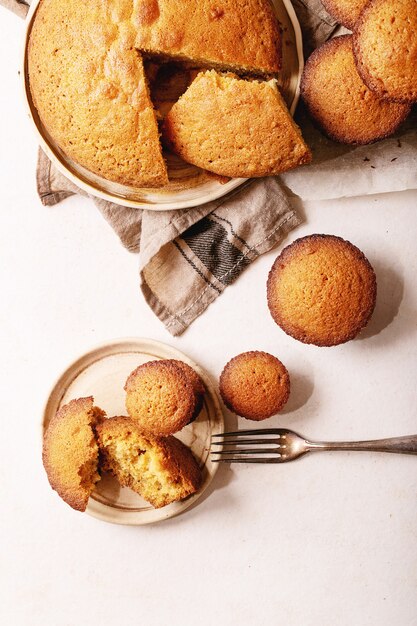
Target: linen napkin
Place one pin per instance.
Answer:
(188, 257)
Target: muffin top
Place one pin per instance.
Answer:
(190, 373)
(321, 290)
(346, 12)
(196, 382)
(236, 34)
(255, 385)
(70, 452)
(234, 127)
(385, 47)
(338, 100)
(160, 398)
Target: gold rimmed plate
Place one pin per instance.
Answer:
(188, 186)
(102, 373)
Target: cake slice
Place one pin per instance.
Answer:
(70, 451)
(160, 469)
(239, 35)
(234, 127)
(89, 88)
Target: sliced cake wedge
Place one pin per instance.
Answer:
(234, 127)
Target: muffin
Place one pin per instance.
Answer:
(89, 88)
(161, 470)
(242, 35)
(254, 385)
(346, 12)
(196, 382)
(321, 290)
(340, 103)
(385, 48)
(70, 451)
(160, 398)
(234, 127)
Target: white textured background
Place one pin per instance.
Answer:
(327, 540)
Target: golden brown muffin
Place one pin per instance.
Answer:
(196, 382)
(161, 470)
(346, 12)
(89, 88)
(70, 451)
(321, 290)
(234, 127)
(340, 103)
(385, 47)
(255, 385)
(243, 35)
(160, 398)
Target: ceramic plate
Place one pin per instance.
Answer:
(102, 373)
(188, 186)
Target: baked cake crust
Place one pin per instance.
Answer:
(385, 48)
(321, 290)
(160, 469)
(255, 385)
(234, 127)
(70, 451)
(343, 107)
(346, 12)
(88, 85)
(160, 398)
(196, 382)
(239, 35)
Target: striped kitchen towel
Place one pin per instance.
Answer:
(188, 257)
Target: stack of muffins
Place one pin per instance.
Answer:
(359, 88)
(138, 449)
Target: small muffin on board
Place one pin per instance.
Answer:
(160, 469)
(70, 451)
(234, 127)
(255, 385)
(160, 397)
(385, 48)
(321, 290)
(343, 107)
(346, 12)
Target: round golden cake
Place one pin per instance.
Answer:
(160, 469)
(70, 451)
(255, 385)
(346, 12)
(160, 398)
(196, 382)
(321, 290)
(385, 47)
(338, 100)
(234, 127)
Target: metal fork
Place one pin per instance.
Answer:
(286, 445)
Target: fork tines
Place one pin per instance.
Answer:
(240, 453)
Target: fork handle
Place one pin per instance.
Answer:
(400, 445)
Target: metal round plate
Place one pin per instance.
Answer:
(102, 373)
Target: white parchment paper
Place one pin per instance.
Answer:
(341, 171)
